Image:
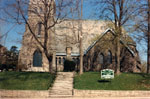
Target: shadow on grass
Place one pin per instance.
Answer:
(144, 75)
(2, 79)
(104, 81)
(145, 80)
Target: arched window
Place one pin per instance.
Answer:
(36, 10)
(41, 10)
(101, 58)
(59, 60)
(37, 59)
(74, 59)
(109, 57)
(39, 28)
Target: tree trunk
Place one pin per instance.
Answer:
(148, 37)
(81, 45)
(81, 57)
(117, 55)
(50, 64)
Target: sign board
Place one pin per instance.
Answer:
(107, 74)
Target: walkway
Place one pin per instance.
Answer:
(63, 85)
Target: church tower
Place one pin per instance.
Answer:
(38, 45)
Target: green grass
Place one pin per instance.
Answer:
(25, 80)
(125, 81)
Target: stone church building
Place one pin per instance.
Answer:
(63, 42)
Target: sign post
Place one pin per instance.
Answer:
(107, 74)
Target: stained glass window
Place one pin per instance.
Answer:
(37, 59)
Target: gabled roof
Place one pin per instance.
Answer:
(106, 31)
(109, 30)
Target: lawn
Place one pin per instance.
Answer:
(124, 81)
(26, 80)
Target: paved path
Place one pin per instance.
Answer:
(63, 85)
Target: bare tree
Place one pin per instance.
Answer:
(148, 38)
(77, 31)
(119, 13)
(81, 40)
(49, 12)
(143, 26)
(1, 36)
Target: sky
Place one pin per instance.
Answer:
(17, 31)
(14, 36)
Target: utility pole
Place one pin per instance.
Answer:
(81, 45)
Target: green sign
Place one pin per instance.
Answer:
(107, 74)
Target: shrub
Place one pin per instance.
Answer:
(69, 65)
(9, 59)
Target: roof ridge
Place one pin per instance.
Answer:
(106, 31)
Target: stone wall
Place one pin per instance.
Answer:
(76, 93)
(23, 94)
(30, 45)
(110, 93)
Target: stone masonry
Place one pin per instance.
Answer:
(67, 35)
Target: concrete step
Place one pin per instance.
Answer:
(61, 93)
(60, 96)
(63, 85)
